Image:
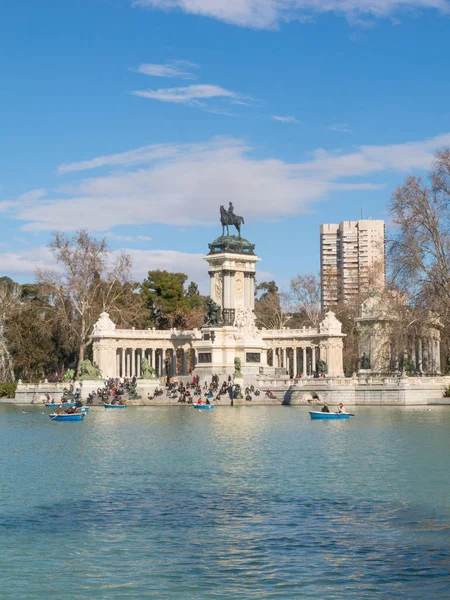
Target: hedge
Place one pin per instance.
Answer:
(8, 390)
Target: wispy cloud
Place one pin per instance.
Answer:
(128, 238)
(185, 188)
(285, 119)
(266, 14)
(194, 95)
(181, 69)
(340, 128)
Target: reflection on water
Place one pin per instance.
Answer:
(251, 502)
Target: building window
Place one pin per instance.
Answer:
(253, 357)
(204, 357)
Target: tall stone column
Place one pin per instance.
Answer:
(252, 290)
(128, 369)
(313, 363)
(138, 366)
(174, 363)
(426, 361)
(419, 355)
(304, 363)
(184, 363)
(226, 290)
(295, 350)
(232, 290)
(212, 290)
(122, 358)
(438, 357)
(246, 290)
(163, 362)
(133, 362)
(284, 358)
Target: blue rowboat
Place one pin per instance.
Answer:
(57, 405)
(330, 415)
(74, 417)
(84, 409)
(203, 406)
(115, 405)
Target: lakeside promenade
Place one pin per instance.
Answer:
(354, 391)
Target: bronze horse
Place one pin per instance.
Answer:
(226, 219)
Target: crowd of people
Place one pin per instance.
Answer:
(192, 391)
(114, 391)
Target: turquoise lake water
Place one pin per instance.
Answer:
(251, 502)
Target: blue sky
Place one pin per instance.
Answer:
(138, 119)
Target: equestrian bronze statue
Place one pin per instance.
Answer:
(227, 218)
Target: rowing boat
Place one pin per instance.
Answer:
(203, 406)
(63, 417)
(115, 405)
(330, 415)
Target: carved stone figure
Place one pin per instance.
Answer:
(322, 367)
(104, 323)
(227, 218)
(148, 372)
(245, 321)
(365, 361)
(237, 367)
(213, 316)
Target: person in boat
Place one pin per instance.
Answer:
(78, 403)
(199, 401)
(207, 401)
(71, 410)
(341, 408)
(325, 408)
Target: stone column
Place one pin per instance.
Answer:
(174, 363)
(252, 290)
(313, 363)
(128, 367)
(184, 363)
(138, 366)
(226, 290)
(295, 351)
(163, 362)
(419, 355)
(246, 290)
(304, 365)
(284, 358)
(122, 360)
(426, 362)
(212, 289)
(133, 362)
(438, 356)
(232, 290)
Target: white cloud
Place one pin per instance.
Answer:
(187, 187)
(285, 119)
(194, 95)
(263, 14)
(170, 260)
(128, 238)
(26, 262)
(340, 128)
(177, 68)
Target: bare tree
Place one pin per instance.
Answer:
(420, 251)
(304, 296)
(272, 310)
(84, 285)
(9, 305)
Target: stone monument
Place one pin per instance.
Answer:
(230, 331)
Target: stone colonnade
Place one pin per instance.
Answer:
(166, 361)
(295, 361)
(425, 354)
